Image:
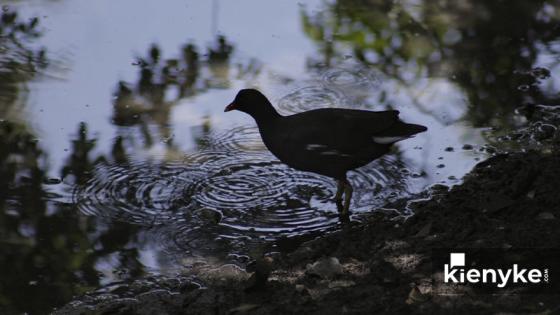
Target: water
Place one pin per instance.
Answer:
(117, 160)
(232, 188)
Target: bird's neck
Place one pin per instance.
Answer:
(266, 115)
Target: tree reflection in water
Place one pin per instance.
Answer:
(163, 83)
(50, 251)
(491, 50)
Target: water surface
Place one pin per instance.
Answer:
(117, 160)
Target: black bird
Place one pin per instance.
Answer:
(326, 141)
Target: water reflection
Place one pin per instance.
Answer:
(493, 51)
(40, 251)
(225, 191)
(229, 191)
(310, 97)
(49, 251)
(19, 60)
(163, 83)
(147, 197)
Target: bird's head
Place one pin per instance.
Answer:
(252, 102)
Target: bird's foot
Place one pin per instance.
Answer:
(344, 218)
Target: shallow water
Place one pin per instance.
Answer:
(118, 161)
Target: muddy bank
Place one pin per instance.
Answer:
(380, 266)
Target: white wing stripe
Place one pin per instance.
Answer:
(387, 140)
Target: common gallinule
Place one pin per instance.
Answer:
(326, 141)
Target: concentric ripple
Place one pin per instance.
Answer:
(311, 97)
(229, 196)
(345, 78)
(141, 193)
(242, 186)
(265, 196)
(240, 138)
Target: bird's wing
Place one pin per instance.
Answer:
(336, 131)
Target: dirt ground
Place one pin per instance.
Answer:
(382, 265)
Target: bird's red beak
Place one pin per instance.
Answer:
(230, 107)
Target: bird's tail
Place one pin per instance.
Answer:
(398, 132)
(402, 129)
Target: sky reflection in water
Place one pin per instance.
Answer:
(126, 103)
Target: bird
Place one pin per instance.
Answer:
(325, 141)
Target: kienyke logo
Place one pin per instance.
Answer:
(455, 272)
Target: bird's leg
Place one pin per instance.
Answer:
(347, 197)
(339, 191)
(345, 188)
